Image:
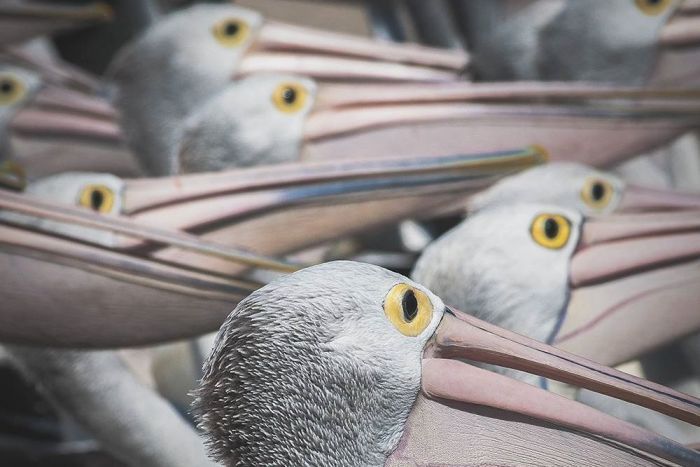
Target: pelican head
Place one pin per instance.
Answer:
(192, 54)
(258, 120)
(324, 367)
(17, 87)
(98, 192)
(584, 189)
(551, 274)
(49, 127)
(346, 346)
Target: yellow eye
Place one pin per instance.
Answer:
(99, 198)
(551, 230)
(290, 97)
(653, 7)
(597, 193)
(231, 32)
(11, 90)
(408, 309)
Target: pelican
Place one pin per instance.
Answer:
(164, 74)
(593, 280)
(640, 41)
(236, 216)
(336, 365)
(273, 118)
(48, 127)
(21, 20)
(589, 191)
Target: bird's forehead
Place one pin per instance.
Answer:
(347, 282)
(67, 186)
(204, 17)
(262, 85)
(516, 219)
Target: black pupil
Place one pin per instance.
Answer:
(289, 95)
(598, 191)
(654, 2)
(96, 200)
(6, 87)
(231, 29)
(551, 228)
(410, 306)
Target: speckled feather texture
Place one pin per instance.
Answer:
(308, 371)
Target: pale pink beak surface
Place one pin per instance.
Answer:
(458, 385)
(638, 198)
(634, 285)
(283, 48)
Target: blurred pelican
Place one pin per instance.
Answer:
(164, 74)
(48, 128)
(373, 382)
(640, 41)
(590, 191)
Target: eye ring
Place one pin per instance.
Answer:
(99, 198)
(652, 7)
(597, 193)
(11, 89)
(551, 231)
(231, 32)
(290, 97)
(408, 309)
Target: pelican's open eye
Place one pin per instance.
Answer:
(290, 97)
(597, 193)
(408, 309)
(99, 198)
(231, 32)
(551, 230)
(653, 7)
(11, 89)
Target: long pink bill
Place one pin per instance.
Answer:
(461, 336)
(284, 48)
(634, 285)
(596, 125)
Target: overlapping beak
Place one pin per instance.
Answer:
(316, 202)
(325, 55)
(21, 21)
(59, 112)
(634, 285)
(683, 29)
(239, 213)
(678, 55)
(460, 336)
(596, 125)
